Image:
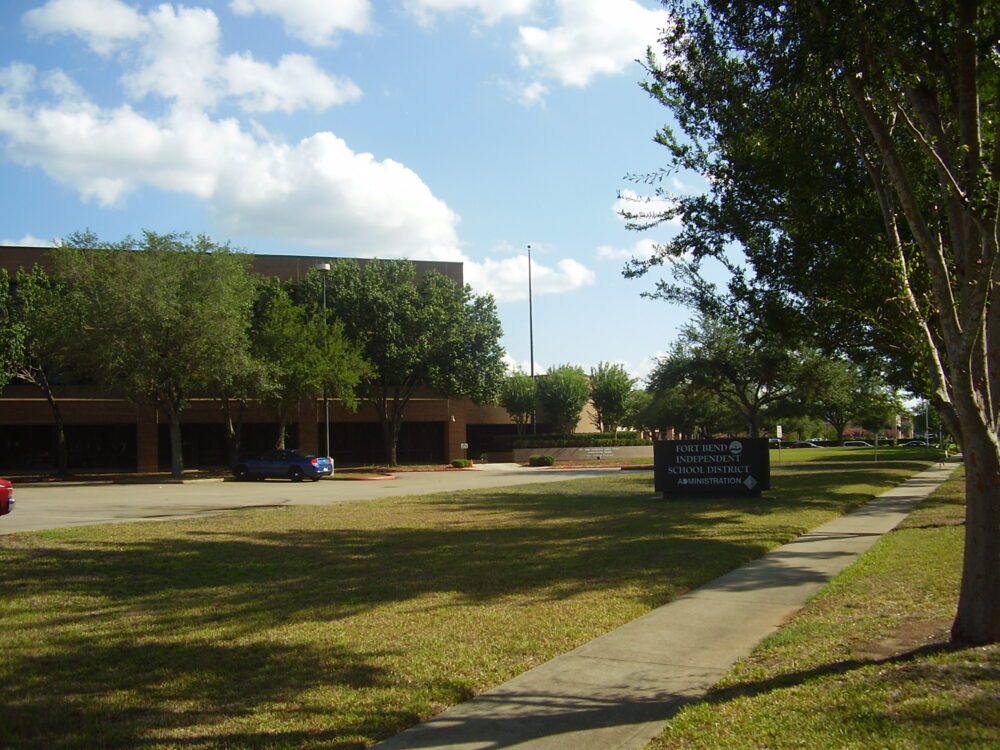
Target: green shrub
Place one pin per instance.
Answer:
(461, 463)
(579, 440)
(541, 460)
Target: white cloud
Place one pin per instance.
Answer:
(29, 240)
(591, 38)
(644, 248)
(490, 10)
(533, 94)
(103, 24)
(180, 57)
(317, 191)
(296, 82)
(322, 193)
(176, 57)
(315, 22)
(507, 279)
(522, 366)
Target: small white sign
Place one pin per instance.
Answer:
(464, 446)
(778, 432)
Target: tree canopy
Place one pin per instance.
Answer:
(416, 332)
(517, 397)
(610, 386)
(852, 149)
(41, 343)
(748, 373)
(563, 391)
(303, 355)
(156, 318)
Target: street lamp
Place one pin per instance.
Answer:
(324, 270)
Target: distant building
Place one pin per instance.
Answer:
(106, 431)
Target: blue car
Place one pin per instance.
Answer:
(284, 464)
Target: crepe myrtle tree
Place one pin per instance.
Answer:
(517, 397)
(563, 392)
(852, 150)
(426, 332)
(610, 386)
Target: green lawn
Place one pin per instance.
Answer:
(866, 663)
(334, 627)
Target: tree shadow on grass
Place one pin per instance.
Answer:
(167, 635)
(118, 695)
(937, 695)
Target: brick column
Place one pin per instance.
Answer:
(309, 417)
(455, 432)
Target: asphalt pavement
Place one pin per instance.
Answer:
(60, 504)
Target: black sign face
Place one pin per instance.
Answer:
(721, 466)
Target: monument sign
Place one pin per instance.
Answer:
(718, 466)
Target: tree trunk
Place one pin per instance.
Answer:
(234, 429)
(62, 450)
(390, 407)
(282, 427)
(978, 619)
(390, 437)
(176, 446)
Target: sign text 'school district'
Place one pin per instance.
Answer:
(727, 466)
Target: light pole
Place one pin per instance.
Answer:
(531, 346)
(324, 269)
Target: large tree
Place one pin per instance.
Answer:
(610, 386)
(11, 332)
(852, 150)
(156, 319)
(841, 393)
(415, 332)
(746, 369)
(39, 355)
(302, 356)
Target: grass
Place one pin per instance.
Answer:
(866, 663)
(333, 627)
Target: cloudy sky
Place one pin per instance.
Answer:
(459, 130)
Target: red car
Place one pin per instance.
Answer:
(6, 497)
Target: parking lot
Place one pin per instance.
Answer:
(57, 505)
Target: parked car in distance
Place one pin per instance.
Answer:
(6, 497)
(284, 464)
(857, 444)
(805, 445)
(915, 444)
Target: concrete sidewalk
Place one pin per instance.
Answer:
(619, 690)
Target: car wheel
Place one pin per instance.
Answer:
(295, 474)
(242, 473)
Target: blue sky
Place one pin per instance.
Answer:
(459, 130)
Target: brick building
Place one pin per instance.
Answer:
(105, 431)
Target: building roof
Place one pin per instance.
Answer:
(282, 266)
